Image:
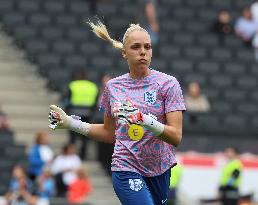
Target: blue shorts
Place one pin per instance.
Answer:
(134, 189)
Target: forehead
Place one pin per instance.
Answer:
(138, 37)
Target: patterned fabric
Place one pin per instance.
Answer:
(158, 94)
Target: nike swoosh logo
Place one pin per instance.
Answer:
(163, 201)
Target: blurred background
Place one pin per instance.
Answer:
(48, 53)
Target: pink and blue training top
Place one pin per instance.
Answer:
(157, 94)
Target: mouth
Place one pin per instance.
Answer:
(143, 61)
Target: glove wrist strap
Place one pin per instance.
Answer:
(152, 124)
(78, 126)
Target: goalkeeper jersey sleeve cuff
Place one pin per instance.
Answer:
(152, 124)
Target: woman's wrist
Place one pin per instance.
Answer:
(76, 125)
(152, 124)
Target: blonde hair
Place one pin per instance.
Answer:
(101, 31)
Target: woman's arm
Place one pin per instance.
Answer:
(101, 132)
(172, 133)
(104, 132)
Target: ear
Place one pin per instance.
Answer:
(124, 54)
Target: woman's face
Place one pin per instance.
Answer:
(138, 51)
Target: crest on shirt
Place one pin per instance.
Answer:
(135, 184)
(150, 97)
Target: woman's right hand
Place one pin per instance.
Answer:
(58, 119)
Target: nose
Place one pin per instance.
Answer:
(142, 51)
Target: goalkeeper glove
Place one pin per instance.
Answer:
(128, 113)
(58, 118)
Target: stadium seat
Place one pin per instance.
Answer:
(160, 65)
(77, 34)
(254, 96)
(57, 74)
(196, 3)
(183, 13)
(107, 9)
(36, 47)
(245, 55)
(195, 53)
(28, 6)
(211, 93)
(54, 7)
(196, 27)
(51, 33)
(182, 66)
(208, 14)
(65, 21)
(63, 47)
(171, 3)
(220, 106)
(221, 54)
(234, 121)
(89, 49)
(183, 38)
(220, 4)
(75, 62)
(221, 81)
(247, 109)
(48, 61)
(78, 7)
(247, 82)
(234, 95)
(39, 20)
(191, 77)
(24, 33)
(101, 63)
(234, 69)
(207, 40)
(13, 19)
(170, 25)
(233, 42)
(208, 67)
(7, 6)
(170, 52)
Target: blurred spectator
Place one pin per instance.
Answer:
(40, 154)
(80, 189)
(81, 100)
(20, 187)
(149, 21)
(223, 24)
(45, 187)
(176, 173)
(246, 27)
(195, 101)
(255, 46)
(64, 168)
(4, 124)
(254, 10)
(230, 179)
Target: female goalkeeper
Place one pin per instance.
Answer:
(142, 115)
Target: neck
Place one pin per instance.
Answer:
(139, 74)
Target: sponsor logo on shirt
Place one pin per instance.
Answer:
(135, 184)
(150, 97)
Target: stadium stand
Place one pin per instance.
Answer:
(56, 38)
(15, 153)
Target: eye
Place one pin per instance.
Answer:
(147, 46)
(135, 46)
